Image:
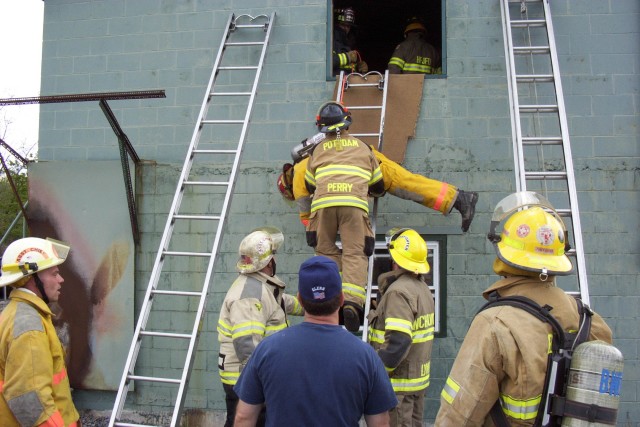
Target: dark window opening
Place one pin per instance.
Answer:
(379, 27)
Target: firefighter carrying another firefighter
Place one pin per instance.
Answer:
(342, 172)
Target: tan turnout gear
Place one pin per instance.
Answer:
(340, 173)
(504, 355)
(401, 330)
(255, 307)
(398, 181)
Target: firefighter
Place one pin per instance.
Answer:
(342, 171)
(414, 55)
(255, 306)
(433, 194)
(402, 325)
(34, 387)
(345, 57)
(504, 355)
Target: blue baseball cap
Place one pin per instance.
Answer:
(319, 279)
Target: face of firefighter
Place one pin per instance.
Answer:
(52, 282)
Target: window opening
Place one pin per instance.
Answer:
(379, 27)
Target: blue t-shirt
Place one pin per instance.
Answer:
(316, 375)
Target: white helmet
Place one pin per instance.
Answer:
(27, 256)
(257, 249)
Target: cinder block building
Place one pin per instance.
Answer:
(463, 136)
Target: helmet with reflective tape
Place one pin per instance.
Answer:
(332, 117)
(29, 255)
(285, 182)
(414, 24)
(534, 238)
(408, 249)
(258, 248)
(345, 16)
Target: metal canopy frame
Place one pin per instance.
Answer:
(123, 141)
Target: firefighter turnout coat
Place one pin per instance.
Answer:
(401, 329)
(398, 181)
(255, 306)
(504, 356)
(34, 387)
(414, 56)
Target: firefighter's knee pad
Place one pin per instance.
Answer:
(369, 245)
(312, 238)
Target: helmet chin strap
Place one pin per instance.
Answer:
(40, 287)
(273, 267)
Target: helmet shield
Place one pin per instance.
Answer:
(533, 238)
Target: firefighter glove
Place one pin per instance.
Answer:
(362, 67)
(352, 56)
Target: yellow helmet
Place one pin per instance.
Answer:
(258, 248)
(29, 255)
(533, 238)
(408, 249)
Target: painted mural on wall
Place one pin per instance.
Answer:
(84, 204)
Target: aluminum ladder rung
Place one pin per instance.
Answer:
(214, 151)
(535, 78)
(119, 424)
(533, 50)
(198, 217)
(238, 67)
(364, 134)
(525, 71)
(230, 93)
(188, 178)
(164, 334)
(256, 43)
(551, 175)
(538, 108)
(362, 85)
(365, 107)
(524, 23)
(183, 253)
(222, 122)
(207, 183)
(176, 293)
(154, 379)
(541, 140)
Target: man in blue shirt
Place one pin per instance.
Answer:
(315, 373)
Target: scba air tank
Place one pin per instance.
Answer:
(595, 379)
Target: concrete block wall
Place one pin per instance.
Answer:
(462, 137)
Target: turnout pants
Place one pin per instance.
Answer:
(428, 192)
(409, 411)
(357, 241)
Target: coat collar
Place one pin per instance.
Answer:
(31, 298)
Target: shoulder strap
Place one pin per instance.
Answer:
(543, 313)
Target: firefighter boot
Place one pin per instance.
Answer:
(466, 204)
(353, 316)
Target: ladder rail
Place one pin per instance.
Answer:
(558, 109)
(568, 159)
(367, 302)
(128, 373)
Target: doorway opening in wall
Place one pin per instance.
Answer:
(379, 27)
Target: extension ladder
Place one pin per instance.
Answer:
(541, 147)
(361, 84)
(180, 277)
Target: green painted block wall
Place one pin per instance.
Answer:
(462, 136)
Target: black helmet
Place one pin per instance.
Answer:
(346, 16)
(332, 117)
